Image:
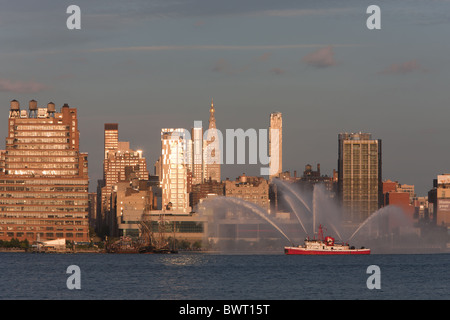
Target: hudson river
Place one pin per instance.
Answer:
(199, 276)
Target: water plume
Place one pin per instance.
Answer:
(224, 201)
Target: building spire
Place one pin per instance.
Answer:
(212, 119)
(212, 154)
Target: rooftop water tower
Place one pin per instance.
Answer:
(15, 109)
(33, 108)
(51, 109)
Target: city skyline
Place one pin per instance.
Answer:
(153, 65)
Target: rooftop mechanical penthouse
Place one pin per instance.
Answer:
(43, 175)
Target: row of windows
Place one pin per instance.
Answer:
(348, 183)
(362, 197)
(349, 188)
(68, 235)
(41, 234)
(42, 222)
(361, 175)
(41, 127)
(38, 146)
(32, 172)
(41, 140)
(41, 153)
(48, 189)
(41, 159)
(42, 165)
(373, 144)
(363, 160)
(180, 196)
(40, 215)
(50, 195)
(51, 202)
(249, 196)
(41, 228)
(41, 134)
(42, 209)
(51, 182)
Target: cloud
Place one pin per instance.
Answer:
(264, 56)
(199, 23)
(403, 68)
(221, 65)
(321, 58)
(21, 87)
(306, 12)
(277, 71)
(215, 47)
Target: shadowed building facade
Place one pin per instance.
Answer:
(359, 176)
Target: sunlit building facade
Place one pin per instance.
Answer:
(43, 176)
(119, 161)
(111, 137)
(196, 165)
(173, 170)
(276, 144)
(212, 157)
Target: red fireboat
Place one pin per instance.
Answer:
(323, 246)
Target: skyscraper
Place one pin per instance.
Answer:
(276, 144)
(115, 166)
(119, 158)
(111, 137)
(196, 165)
(173, 170)
(43, 176)
(212, 149)
(359, 175)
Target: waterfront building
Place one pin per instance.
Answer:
(138, 201)
(203, 190)
(131, 200)
(359, 176)
(43, 176)
(439, 199)
(400, 195)
(251, 189)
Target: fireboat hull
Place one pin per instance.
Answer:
(305, 251)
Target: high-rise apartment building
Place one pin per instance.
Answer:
(359, 175)
(43, 176)
(111, 137)
(212, 149)
(173, 170)
(196, 165)
(276, 144)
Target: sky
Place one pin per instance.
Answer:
(157, 64)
